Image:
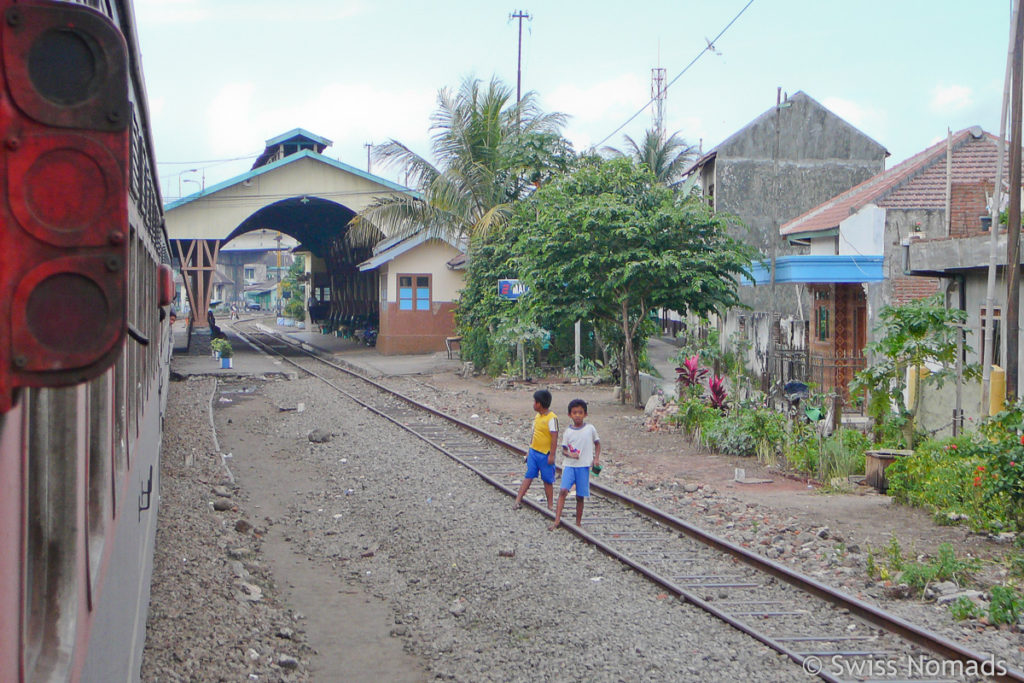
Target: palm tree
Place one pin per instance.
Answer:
(488, 150)
(667, 157)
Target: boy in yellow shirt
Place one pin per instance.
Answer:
(541, 457)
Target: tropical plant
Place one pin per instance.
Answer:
(719, 395)
(916, 334)
(690, 373)
(666, 157)
(489, 151)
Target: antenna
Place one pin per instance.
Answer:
(658, 93)
(368, 146)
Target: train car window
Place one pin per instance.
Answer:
(98, 491)
(121, 454)
(50, 598)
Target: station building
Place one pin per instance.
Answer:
(409, 287)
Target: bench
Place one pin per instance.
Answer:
(448, 341)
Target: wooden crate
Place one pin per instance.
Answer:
(875, 463)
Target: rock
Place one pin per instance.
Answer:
(287, 662)
(823, 533)
(319, 436)
(897, 592)
(977, 597)
(400, 631)
(249, 592)
(691, 487)
(239, 553)
(222, 505)
(507, 552)
(653, 403)
(222, 491)
(458, 607)
(285, 633)
(242, 526)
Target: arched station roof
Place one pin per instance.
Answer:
(303, 194)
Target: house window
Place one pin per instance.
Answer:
(250, 273)
(414, 292)
(823, 314)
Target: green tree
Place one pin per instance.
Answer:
(666, 157)
(920, 333)
(293, 284)
(489, 151)
(609, 243)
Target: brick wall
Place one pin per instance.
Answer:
(967, 203)
(906, 289)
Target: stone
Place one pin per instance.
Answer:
(458, 607)
(222, 491)
(242, 526)
(976, 597)
(285, 633)
(287, 662)
(319, 436)
(507, 552)
(653, 403)
(222, 505)
(691, 487)
(897, 592)
(823, 533)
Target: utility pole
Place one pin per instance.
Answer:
(1013, 217)
(988, 351)
(368, 146)
(520, 15)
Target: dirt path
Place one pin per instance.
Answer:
(336, 610)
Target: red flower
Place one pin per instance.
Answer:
(1013, 464)
(977, 481)
(1022, 439)
(981, 468)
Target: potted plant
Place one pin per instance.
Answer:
(223, 348)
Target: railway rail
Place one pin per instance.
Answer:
(828, 633)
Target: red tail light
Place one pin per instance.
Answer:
(166, 294)
(64, 143)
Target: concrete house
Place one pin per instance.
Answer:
(785, 162)
(906, 233)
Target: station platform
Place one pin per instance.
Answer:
(248, 360)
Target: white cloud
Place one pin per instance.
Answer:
(171, 11)
(951, 98)
(598, 109)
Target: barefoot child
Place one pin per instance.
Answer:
(581, 448)
(541, 457)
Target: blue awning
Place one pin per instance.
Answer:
(818, 268)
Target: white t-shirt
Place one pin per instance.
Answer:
(580, 441)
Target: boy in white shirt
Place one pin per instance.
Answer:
(581, 448)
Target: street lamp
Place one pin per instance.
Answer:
(189, 180)
(188, 170)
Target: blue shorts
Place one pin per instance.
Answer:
(580, 476)
(538, 462)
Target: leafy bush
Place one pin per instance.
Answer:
(729, 436)
(938, 476)
(695, 418)
(1005, 605)
(964, 608)
(222, 346)
(801, 447)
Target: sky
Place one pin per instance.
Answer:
(223, 76)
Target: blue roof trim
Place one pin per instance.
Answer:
(283, 162)
(808, 268)
(298, 132)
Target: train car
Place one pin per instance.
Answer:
(85, 284)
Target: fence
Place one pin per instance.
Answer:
(826, 373)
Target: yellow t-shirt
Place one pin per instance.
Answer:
(543, 425)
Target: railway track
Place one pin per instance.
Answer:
(826, 632)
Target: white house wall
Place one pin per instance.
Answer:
(431, 258)
(863, 232)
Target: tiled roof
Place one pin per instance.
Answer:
(917, 183)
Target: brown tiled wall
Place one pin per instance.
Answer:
(906, 289)
(967, 202)
(415, 331)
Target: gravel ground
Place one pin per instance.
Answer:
(832, 556)
(213, 614)
(433, 543)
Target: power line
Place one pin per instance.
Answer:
(687, 68)
(207, 161)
